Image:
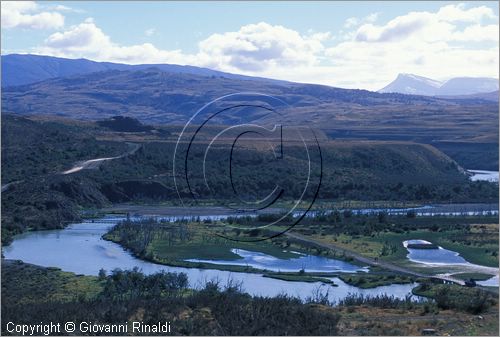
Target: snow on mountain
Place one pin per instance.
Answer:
(413, 85)
(468, 86)
(418, 85)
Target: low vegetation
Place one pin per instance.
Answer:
(35, 151)
(126, 296)
(381, 236)
(173, 243)
(455, 297)
(47, 294)
(365, 281)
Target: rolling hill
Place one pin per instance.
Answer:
(166, 94)
(23, 69)
(159, 97)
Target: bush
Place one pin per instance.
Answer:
(379, 301)
(473, 301)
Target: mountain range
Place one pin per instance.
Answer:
(170, 94)
(459, 86)
(157, 96)
(21, 69)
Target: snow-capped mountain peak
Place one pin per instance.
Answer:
(419, 85)
(413, 84)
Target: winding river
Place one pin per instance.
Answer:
(79, 248)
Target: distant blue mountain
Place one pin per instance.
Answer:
(458, 86)
(23, 69)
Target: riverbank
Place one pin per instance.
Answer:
(82, 242)
(209, 207)
(47, 294)
(197, 249)
(221, 254)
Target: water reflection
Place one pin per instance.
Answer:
(79, 248)
(308, 263)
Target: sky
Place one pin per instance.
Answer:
(361, 45)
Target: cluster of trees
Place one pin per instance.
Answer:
(470, 300)
(39, 294)
(380, 301)
(354, 224)
(33, 155)
(131, 284)
(475, 303)
(36, 149)
(346, 222)
(138, 235)
(358, 172)
(215, 309)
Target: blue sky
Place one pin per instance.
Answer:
(348, 44)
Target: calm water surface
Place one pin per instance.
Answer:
(79, 248)
(309, 263)
(432, 256)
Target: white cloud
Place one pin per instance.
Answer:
(89, 41)
(150, 32)
(27, 14)
(453, 41)
(477, 33)
(426, 26)
(351, 22)
(355, 21)
(257, 47)
(63, 8)
(455, 13)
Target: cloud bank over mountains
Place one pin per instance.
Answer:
(456, 40)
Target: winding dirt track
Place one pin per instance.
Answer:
(94, 163)
(370, 261)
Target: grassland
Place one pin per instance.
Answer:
(25, 283)
(300, 277)
(174, 243)
(374, 280)
(192, 240)
(478, 245)
(474, 276)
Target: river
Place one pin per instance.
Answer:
(79, 248)
(478, 175)
(444, 257)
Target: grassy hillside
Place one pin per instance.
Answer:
(351, 171)
(36, 148)
(472, 155)
(156, 96)
(160, 96)
(34, 152)
(19, 69)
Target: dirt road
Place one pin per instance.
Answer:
(370, 261)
